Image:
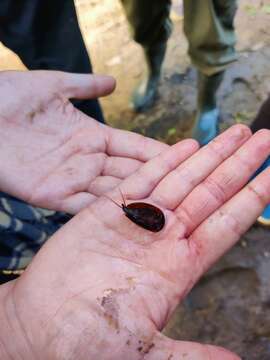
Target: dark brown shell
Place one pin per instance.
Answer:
(145, 215)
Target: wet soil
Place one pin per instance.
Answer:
(231, 305)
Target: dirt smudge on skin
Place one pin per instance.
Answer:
(111, 311)
(145, 347)
(110, 305)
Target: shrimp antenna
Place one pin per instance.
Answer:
(113, 201)
(122, 197)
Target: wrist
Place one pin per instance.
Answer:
(13, 340)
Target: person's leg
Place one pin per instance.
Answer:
(262, 121)
(208, 25)
(151, 27)
(46, 35)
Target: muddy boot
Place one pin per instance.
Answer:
(207, 117)
(146, 94)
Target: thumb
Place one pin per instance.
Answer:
(164, 348)
(85, 86)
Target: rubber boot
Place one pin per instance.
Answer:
(207, 117)
(145, 95)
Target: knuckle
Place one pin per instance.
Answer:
(261, 196)
(216, 190)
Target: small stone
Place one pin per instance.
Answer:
(243, 243)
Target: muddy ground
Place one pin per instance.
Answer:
(231, 305)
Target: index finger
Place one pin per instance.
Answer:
(84, 86)
(128, 144)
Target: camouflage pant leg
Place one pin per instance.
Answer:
(149, 20)
(23, 230)
(209, 27)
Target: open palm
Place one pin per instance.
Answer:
(54, 156)
(103, 287)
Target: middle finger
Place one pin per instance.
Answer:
(179, 183)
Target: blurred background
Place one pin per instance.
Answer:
(231, 305)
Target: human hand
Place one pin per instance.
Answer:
(54, 156)
(103, 287)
